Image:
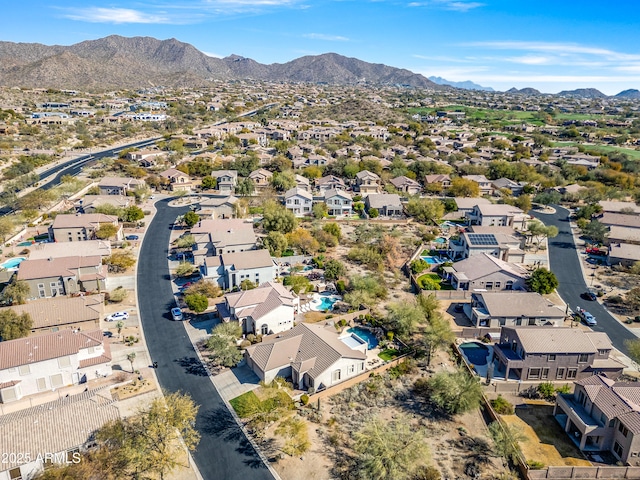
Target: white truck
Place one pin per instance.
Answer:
(586, 317)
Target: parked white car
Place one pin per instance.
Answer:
(114, 317)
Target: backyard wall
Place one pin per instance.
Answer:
(566, 473)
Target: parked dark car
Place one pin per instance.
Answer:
(591, 295)
(132, 237)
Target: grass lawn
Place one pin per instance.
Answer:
(601, 149)
(425, 253)
(546, 441)
(240, 403)
(388, 354)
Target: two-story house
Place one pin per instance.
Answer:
(81, 227)
(483, 182)
(40, 363)
(267, 309)
(367, 182)
(500, 242)
(299, 201)
(226, 180)
(213, 208)
(52, 277)
(554, 354)
(406, 185)
(215, 237)
(178, 181)
(339, 202)
(261, 178)
(437, 182)
(303, 183)
(119, 185)
(515, 187)
(387, 204)
(230, 269)
(513, 309)
(602, 415)
(498, 215)
(330, 182)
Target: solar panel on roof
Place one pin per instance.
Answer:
(482, 239)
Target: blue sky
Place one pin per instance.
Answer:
(548, 45)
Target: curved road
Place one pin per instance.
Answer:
(223, 452)
(565, 263)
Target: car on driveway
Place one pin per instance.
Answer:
(586, 317)
(115, 317)
(132, 237)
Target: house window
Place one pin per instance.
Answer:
(572, 373)
(534, 373)
(9, 394)
(583, 358)
(335, 376)
(264, 329)
(91, 350)
(560, 373)
(14, 474)
(509, 285)
(612, 423)
(602, 352)
(41, 291)
(64, 362)
(532, 322)
(24, 370)
(56, 380)
(545, 373)
(41, 383)
(352, 368)
(551, 357)
(623, 430)
(498, 284)
(489, 286)
(617, 448)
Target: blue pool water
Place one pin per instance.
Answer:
(12, 263)
(432, 260)
(365, 334)
(476, 353)
(307, 268)
(326, 303)
(440, 240)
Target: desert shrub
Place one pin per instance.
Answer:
(564, 389)
(535, 465)
(502, 406)
(547, 390)
(304, 399)
(118, 295)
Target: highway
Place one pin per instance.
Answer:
(223, 452)
(565, 264)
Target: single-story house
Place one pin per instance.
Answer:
(487, 273)
(387, 204)
(513, 309)
(625, 254)
(89, 203)
(406, 185)
(88, 248)
(119, 185)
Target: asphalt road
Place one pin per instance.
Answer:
(224, 453)
(565, 264)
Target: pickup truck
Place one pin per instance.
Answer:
(586, 317)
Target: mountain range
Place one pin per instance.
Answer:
(466, 85)
(121, 62)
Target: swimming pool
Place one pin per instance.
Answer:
(322, 303)
(431, 260)
(12, 263)
(440, 240)
(476, 353)
(366, 335)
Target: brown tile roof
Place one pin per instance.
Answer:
(513, 304)
(56, 426)
(59, 267)
(99, 360)
(479, 266)
(615, 399)
(24, 351)
(224, 232)
(621, 219)
(247, 259)
(50, 312)
(83, 249)
(86, 220)
(264, 299)
(558, 340)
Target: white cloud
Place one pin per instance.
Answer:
(329, 38)
(117, 15)
(558, 48)
(455, 5)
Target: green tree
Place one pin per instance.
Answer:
(437, 335)
(373, 213)
(542, 281)
(132, 214)
(463, 187)
(392, 450)
(186, 241)
(150, 443)
(190, 218)
(119, 261)
(16, 293)
(247, 284)
(276, 243)
(283, 181)
(319, 210)
(539, 231)
(334, 229)
(298, 283)
(13, 325)
(302, 240)
(454, 392)
(425, 210)
(223, 344)
(208, 288)
(419, 266)
(277, 218)
(209, 182)
(295, 434)
(185, 269)
(245, 187)
(6, 228)
(548, 198)
(37, 199)
(365, 290)
(106, 231)
(333, 269)
(595, 231)
(197, 302)
(633, 350)
(506, 440)
(405, 318)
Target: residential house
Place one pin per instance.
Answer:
(623, 235)
(467, 204)
(498, 215)
(299, 201)
(513, 309)
(406, 185)
(619, 207)
(142, 155)
(367, 182)
(261, 178)
(119, 185)
(338, 202)
(515, 187)
(437, 182)
(212, 208)
(486, 272)
(387, 204)
(83, 249)
(229, 270)
(215, 237)
(483, 182)
(40, 363)
(44, 434)
(54, 314)
(501, 242)
(227, 180)
(52, 277)
(303, 183)
(81, 227)
(89, 203)
(554, 354)
(625, 254)
(178, 181)
(330, 182)
(602, 415)
(313, 356)
(620, 220)
(265, 310)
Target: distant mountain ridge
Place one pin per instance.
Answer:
(583, 93)
(466, 85)
(524, 91)
(122, 62)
